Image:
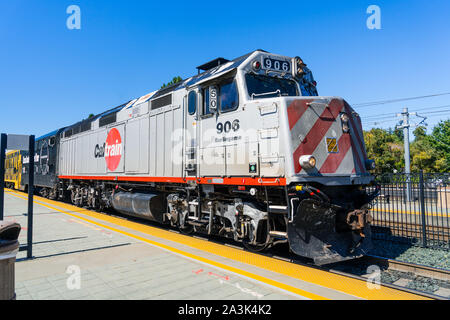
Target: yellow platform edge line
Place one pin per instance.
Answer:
(336, 282)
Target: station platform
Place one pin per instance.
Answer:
(82, 254)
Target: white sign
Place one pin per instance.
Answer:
(18, 142)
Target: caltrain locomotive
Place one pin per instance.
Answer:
(245, 149)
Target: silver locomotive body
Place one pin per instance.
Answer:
(246, 149)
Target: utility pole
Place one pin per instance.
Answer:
(405, 125)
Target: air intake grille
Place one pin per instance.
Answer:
(110, 118)
(161, 102)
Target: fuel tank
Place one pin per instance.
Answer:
(143, 205)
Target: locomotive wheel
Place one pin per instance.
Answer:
(259, 247)
(186, 229)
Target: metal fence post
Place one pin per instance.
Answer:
(422, 209)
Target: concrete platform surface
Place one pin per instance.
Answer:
(113, 266)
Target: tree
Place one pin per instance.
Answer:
(430, 153)
(174, 80)
(385, 147)
(420, 132)
(423, 156)
(440, 140)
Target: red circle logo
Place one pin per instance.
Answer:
(113, 149)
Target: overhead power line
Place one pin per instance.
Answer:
(375, 103)
(429, 108)
(391, 114)
(388, 116)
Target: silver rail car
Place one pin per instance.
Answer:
(246, 149)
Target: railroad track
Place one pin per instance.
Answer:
(417, 269)
(386, 265)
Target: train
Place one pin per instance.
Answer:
(13, 169)
(245, 149)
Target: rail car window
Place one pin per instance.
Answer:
(228, 96)
(260, 86)
(192, 102)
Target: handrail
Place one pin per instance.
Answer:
(266, 93)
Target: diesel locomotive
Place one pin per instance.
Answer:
(245, 149)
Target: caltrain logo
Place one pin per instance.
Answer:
(113, 149)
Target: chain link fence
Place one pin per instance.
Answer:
(413, 208)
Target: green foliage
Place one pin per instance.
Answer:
(430, 153)
(386, 148)
(440, 140)
(174, 80)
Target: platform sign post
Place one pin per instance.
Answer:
(30, 198)
(19, 142)
(4, 141)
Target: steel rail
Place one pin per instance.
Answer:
(417, 269)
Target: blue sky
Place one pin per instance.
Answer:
(51, 76)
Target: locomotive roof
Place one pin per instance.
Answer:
(220, 68)
(211, 64)
(50, 134)
(212, 68)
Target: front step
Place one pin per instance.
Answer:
(278, 234)
(278, 209)
(197, 224)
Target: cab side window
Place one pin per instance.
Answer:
(192, 102)
(229, 99)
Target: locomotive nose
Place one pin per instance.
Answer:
(328, 130)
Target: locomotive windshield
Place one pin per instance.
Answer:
(266, 87)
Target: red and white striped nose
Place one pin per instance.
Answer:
(329, 131)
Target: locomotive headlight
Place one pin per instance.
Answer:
(344, 117)
(307, 162)
(297, 70)
(344, 120)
